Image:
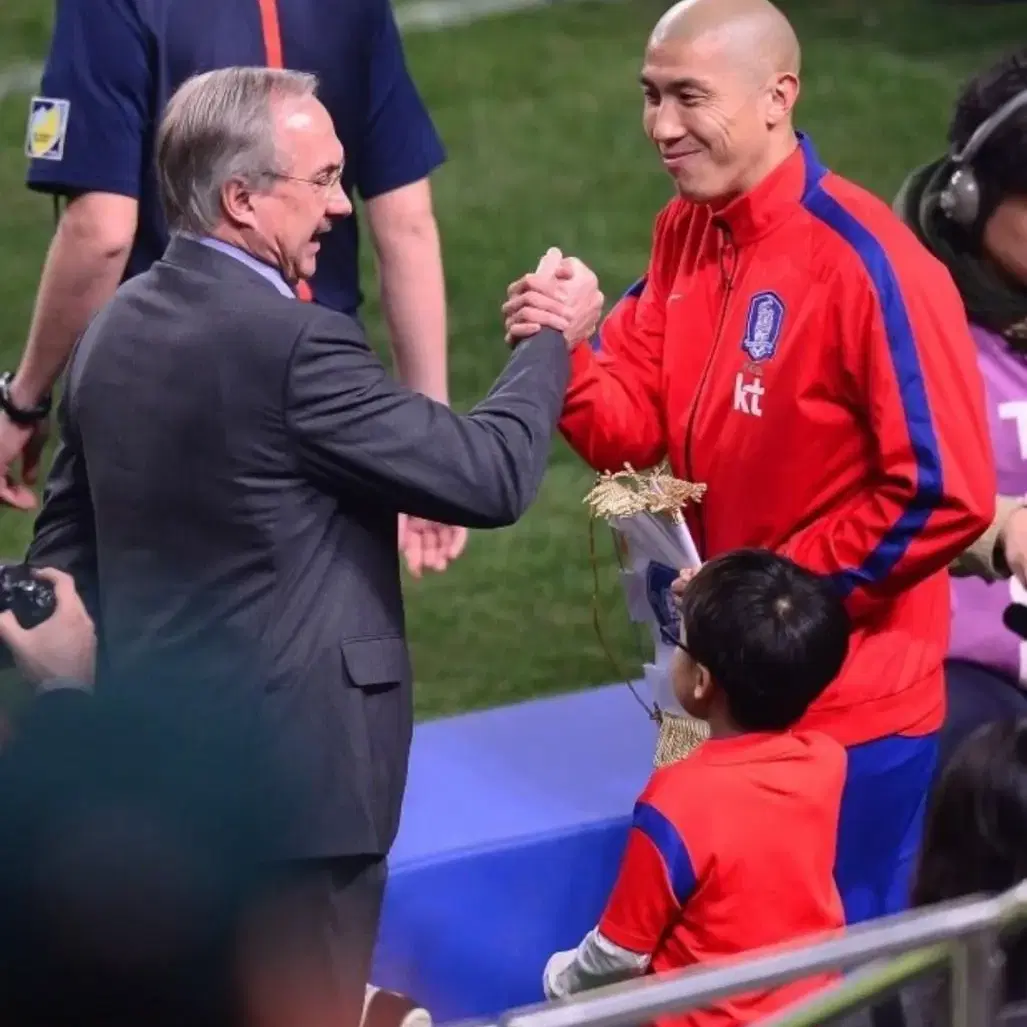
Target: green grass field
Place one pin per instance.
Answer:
(540, 114)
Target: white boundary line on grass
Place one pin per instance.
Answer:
(418, 16)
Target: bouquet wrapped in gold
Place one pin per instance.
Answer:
(653, 544)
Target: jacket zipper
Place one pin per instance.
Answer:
(727, 260)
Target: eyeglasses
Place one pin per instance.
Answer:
(671, 639)
(323, 180)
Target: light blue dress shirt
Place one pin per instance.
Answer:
(272, 274)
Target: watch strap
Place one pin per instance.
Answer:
(25, 416)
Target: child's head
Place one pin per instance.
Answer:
(761, 638)
(975, 839)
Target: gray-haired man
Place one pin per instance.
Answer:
(231, 469)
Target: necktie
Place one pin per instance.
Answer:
(304, 293)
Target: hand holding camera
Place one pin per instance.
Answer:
(45, 625)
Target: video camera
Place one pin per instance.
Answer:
(30, 598)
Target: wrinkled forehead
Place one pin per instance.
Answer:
(702, 66)
(304, 132)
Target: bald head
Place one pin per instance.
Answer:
(721, 78)
(752, 34)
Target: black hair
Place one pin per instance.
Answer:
(772, 635)
(1001, 163)
(975, 839)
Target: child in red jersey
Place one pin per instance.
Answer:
(733, 848)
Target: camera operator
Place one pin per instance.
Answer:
(61, 651)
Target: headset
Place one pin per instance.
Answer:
(960, 197)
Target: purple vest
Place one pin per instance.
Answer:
(977, 630)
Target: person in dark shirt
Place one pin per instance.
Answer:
(112, 66)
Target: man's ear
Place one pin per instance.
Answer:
(783, 92)
(237, 202)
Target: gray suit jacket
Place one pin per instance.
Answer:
(226, 491)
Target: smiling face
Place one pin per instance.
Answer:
(713, 119)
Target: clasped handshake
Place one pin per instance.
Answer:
(562, 294)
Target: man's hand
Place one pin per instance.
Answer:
(562, 294)
(62, 648)
(26, 442)
(680, 583)
(429, 546)
(1014, 544)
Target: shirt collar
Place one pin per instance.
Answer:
(762, 208)
(272, 274)
(749, 747)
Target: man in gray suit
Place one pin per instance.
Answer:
(232, 465)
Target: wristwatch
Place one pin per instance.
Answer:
(25, 416)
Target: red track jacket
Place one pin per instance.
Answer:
(802, 354)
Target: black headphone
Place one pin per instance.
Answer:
(960, 197)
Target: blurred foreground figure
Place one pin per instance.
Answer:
(141, 862)
(135, 850)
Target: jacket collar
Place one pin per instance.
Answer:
(190, 252)
(264, 269)
(753, 214)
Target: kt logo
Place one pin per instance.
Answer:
(748, 395)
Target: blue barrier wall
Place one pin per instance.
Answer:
(513, 826)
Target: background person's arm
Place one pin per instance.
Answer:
(398, 150)
(1001, 551)
(84, 265)
(86, 142)
(413, 290)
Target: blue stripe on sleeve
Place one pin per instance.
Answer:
(633, 293)
(664, 835)
(912, 391)
(637, 289)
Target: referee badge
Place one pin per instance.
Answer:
(48, 126)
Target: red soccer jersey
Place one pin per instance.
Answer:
(733, 849)
(799, 352)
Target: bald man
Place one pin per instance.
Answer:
(794, 347)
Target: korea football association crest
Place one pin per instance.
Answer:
(658, 579)
(763, 326)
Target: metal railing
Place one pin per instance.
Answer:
(964, 936)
